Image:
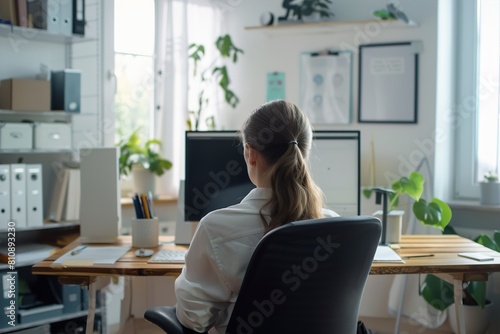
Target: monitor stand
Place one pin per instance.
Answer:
(184, 231)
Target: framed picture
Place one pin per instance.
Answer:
(388, 83)
(325, 86)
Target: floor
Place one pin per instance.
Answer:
(376, 325)
(387, 326)
(136, 326)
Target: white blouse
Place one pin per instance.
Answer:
(217, 260)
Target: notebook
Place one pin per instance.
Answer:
(386, 254)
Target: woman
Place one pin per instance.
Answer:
(277, 139)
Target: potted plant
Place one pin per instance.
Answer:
(316, 10)
(435, 212)
(490, 189)
(437, 293)
(306, 10)
(220, 74)
(143, 160)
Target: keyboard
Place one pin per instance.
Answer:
(168, 256)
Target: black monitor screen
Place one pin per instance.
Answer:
(216, 173)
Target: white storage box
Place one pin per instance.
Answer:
(16, 135)
(52, 136)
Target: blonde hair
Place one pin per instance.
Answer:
(281, 132)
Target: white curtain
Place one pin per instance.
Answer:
(178, 24)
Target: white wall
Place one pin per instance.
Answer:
(396, 148)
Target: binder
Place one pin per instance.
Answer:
(37, 12)
(58, 196)
(22, 13)
(8, 11)
(66, 17)
(52, 10)
(72, 209)
(79, 17)
(4, 196)
(18, 194)
(34, 193)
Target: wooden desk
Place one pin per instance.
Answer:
(127, 265)
(445, 264)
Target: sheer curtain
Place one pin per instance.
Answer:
(179, 23)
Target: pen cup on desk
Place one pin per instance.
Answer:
(145, 232)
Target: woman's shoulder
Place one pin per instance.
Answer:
(329, 213)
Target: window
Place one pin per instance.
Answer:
(478, 136)
(134, 66)
(152, 74)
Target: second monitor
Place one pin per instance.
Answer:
(216, 174)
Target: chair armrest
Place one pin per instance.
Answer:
(165, 318)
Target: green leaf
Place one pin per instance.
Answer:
(477, 290)
(486, 241)
(433, 214)
(496, 237)
(367, 192)
(412, 185)
(438, 293)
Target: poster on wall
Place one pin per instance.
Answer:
(275, 86)
(325, 86)
(388, 81)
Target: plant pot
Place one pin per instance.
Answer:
(314, 17)
(490, 193)
(477, 320)
(144, 180)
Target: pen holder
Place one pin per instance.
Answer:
(145, 232)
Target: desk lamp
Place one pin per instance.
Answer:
(381, 197)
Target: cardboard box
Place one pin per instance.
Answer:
(25, 95)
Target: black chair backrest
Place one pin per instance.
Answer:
(307, 277)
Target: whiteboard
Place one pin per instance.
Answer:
(388, 83)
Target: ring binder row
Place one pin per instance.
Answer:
(21, 195)
(55, 16)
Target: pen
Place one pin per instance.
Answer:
(78, 251)
(417, 255)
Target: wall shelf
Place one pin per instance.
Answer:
(329, 26)
(35, 116)
(24, 35)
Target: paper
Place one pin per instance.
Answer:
(92, 255)
(275, 86)
(386, 254)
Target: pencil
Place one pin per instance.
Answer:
(145, 206)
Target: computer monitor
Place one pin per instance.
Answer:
(216, 174)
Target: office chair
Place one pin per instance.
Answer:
(304, 277)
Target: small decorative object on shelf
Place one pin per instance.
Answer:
(490, 189)
(267, 19)
(306, 10)
(393, 12)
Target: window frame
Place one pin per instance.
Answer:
(466, 186)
